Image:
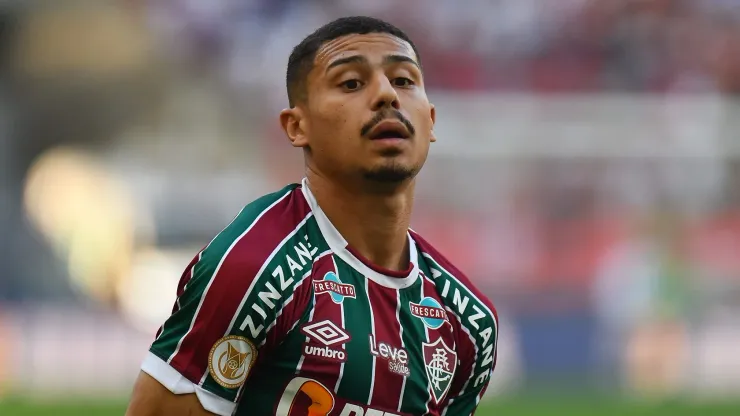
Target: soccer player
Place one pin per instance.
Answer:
(318, 299)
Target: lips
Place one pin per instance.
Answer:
(389, 129)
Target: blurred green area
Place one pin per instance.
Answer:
(524, 406)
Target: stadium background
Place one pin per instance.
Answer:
(587, 178)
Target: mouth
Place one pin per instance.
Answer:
(389, 130)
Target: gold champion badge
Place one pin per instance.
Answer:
(230, 360)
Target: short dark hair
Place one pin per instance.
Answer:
(302, 58)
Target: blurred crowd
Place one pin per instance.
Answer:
(588, 176)
(523, 45)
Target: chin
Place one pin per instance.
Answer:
(391, 173)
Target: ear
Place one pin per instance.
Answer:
(293, 121)
(433, 115)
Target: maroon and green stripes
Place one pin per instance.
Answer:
(199, 275)
(386, 331)
(252, 262)
(277, 297)
(330, 370)
(184, 280)
(358, 322)
(476, 317)
(415, 392)
(270, 277)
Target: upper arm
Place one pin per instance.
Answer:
(476, 367)
(476, 328)
(235, 299)
(469, 387)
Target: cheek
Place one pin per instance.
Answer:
(423, 121)
(417, 106)
(340, 122)
(335, 132)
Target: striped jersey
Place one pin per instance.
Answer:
(279, 316)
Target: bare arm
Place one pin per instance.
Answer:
(150, 398)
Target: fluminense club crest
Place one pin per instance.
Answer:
(440, 362)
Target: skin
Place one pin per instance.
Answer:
(365, 187)
(150, 398)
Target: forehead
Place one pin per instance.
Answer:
(370, 45)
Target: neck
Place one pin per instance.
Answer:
(375, 224)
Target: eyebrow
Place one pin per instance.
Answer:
(397, 59)
(359, 59)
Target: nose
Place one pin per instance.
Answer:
(386, 95)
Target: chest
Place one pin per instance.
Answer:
(369, 345)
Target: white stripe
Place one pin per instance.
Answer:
(426, 336)
(200, 254)
(289, 393)
(282, 308)
(177, 301)
(310, 314)
(475, 347)
(400, 334)
(262, 270)
(310, 319)
(372, 331)
(472, 340)
(218, 267)
(290, 299)
(459, 319)
(464, 326)
(256, 278)
(192, 268)
(325, 253)
(178, 384)
(472, 368)
(192, 273)
(482, 304)
(339, 246)
(344, 345)
(454, 340)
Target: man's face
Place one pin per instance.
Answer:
(367, 114)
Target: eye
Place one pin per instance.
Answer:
(402, 82)
(351, 85)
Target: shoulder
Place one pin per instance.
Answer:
(264, 222)
(475, 313)
(474, 310)
(260, 260)
(459, 286)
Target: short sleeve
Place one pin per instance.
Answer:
(235, 299)
(476, 367)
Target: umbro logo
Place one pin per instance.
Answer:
(323, 338)
(325, 332)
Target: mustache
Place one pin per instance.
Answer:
(385, 115)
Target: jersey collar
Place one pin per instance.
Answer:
(338, 245)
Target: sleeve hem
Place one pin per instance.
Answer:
(178, 384)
